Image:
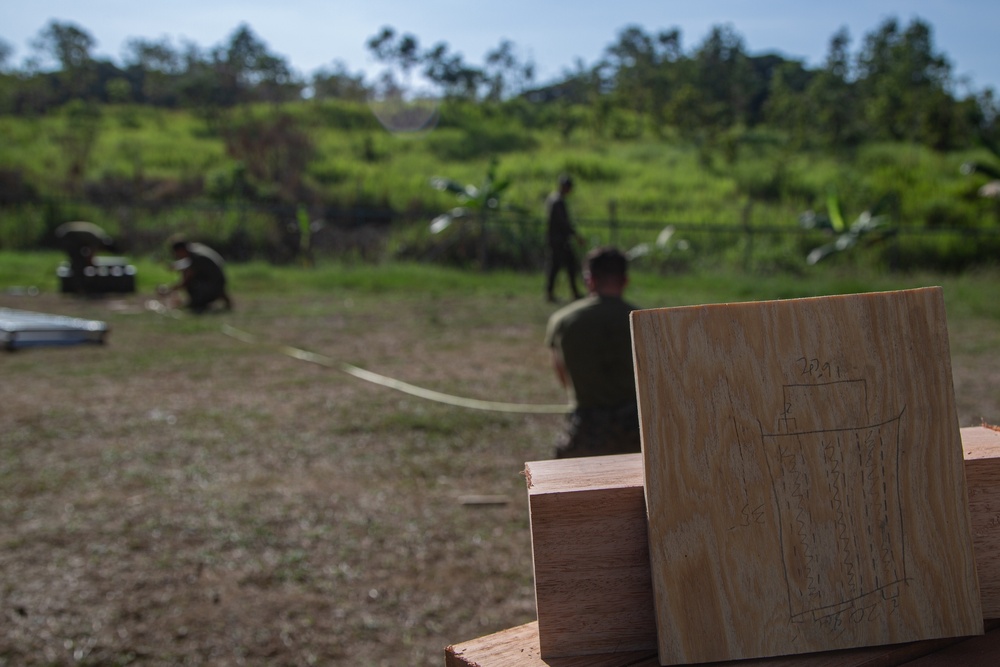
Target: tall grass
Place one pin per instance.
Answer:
(649, 177)
(642, 180)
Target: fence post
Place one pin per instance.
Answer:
(483, 241)
(126, 226)
(613, 222)
(748, 227)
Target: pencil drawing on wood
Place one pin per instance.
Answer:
(857, 514)
(803, 476)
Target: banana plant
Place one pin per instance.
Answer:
(871, 226)
(664, 245)
(475, 201)
(990, 189)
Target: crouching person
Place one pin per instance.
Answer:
(202, 276)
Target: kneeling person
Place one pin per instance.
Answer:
(202, 276)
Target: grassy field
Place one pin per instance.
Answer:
(178, 496)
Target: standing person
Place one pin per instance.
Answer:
(81, 241)
(561, 234)
(591, 345)
(202, 276)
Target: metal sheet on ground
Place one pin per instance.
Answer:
(23, 328)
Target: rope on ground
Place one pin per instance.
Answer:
(399, 385)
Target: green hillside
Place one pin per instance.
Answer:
(878, 154)
(157, 171)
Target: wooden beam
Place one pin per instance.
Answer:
(981, 448)
(803, 476)
(589, 542)
(590, 555)
(518, 647)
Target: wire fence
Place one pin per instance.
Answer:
(281, 233)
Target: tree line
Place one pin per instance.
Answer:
(895, 86)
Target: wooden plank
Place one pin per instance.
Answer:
(813, 496)
(518, 647)
(981, 651)
(981, 447)
(561, 576)
(590, 555)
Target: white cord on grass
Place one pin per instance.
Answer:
(399, 385)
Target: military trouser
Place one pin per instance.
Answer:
(560, 257)
(600, 431)
(202, 294)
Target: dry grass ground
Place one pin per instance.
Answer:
(180, 497)
(177, 496)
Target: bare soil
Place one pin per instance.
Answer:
(177, 496)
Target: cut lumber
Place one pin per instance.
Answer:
(590, 555)
(812, 497)
(518, 647)
(565, 536)
(981, 449)
(981, 651)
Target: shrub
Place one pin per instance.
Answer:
(485, 141)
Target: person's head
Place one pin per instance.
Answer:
(565, 183)
(180, 248)
(605, 270)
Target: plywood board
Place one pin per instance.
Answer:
(803, 476)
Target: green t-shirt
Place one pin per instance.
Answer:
(595, 340)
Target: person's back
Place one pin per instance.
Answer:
(591, 345)
(202, 276)
(559, 230)
(206, 264)
(596, 344)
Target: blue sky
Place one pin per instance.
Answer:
(553, 33)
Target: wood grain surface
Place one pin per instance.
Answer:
(590, 556)
(564, 577)
(803, 476)
(981, 445)
(518, 647)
